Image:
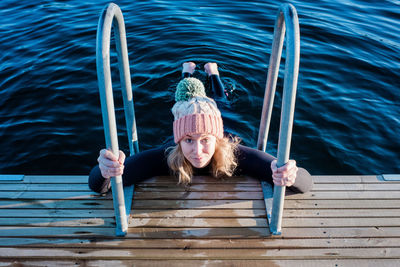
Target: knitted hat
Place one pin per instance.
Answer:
(194, 112)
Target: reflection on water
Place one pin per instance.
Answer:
(347, 110)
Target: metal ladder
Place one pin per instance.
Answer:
(122, 196)
(112, 16)
(286, 20)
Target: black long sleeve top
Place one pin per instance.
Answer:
(153, 162)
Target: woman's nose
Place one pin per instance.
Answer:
(197, 148)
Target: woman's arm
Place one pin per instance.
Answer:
(97, 182)
(261, 165)
(109, 165)
(136, 168)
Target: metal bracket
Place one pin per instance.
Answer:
(11, 177)
(389, 177)
(268, 193)
(128, 198)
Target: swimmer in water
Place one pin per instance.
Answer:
(200, 146)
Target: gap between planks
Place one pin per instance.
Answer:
(266, 243)
(82, 253)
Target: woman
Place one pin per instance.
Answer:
(201, 146)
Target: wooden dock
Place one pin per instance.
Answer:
(58, 221)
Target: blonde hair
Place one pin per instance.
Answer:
(223, 163)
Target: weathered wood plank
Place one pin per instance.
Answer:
(55, 179)
(11, 262)
(203, 195)
(199, 213)
(198, 222)
(65, 232)
(342, 204)
(82, 179)
(73, 232)
(59, 222)
(338, 232)
(202, 222)
(330, 179)
(347, 195)
(259, 243)
(357, 187)
(198, 204)
(45, 187)
(98, 203)
(261, 222)
(160, 233)
(137, 222)
(104, 213)
(259, 204)
(6, 178)
(199, 195)
(199, 188)
(337, 213)
(208, 263)
(257, 195)
(341, 222)
(249, 262)
(204, 179)
(190, 254)
(102, 203)
(146, 187)
(138, 195)
(51, 195)
(393, 214)
(345, 179)
(56, 213)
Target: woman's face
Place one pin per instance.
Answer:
(198, 149)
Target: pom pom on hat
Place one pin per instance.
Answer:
(189, 88)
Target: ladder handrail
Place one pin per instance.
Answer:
(112, 16)
(287, 19)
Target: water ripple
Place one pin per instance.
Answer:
(347, 110)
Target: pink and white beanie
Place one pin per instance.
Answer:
(194, 112)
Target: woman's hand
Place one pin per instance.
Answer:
(109, 164)
(285, 175)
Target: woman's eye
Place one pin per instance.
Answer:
(205, 140)
(188, 140)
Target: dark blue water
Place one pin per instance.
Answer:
(347, 117)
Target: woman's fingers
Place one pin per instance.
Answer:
(106, 153)
(287, 181)
(114, 171)
(285, 170)
(107, 172)
(109, 164)
(108, 159)
(274, 168)
(121, 158)
(284, 175)
(278, 181)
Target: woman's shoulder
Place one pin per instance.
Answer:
(146, 164)
(159, 151)
(245, 152)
